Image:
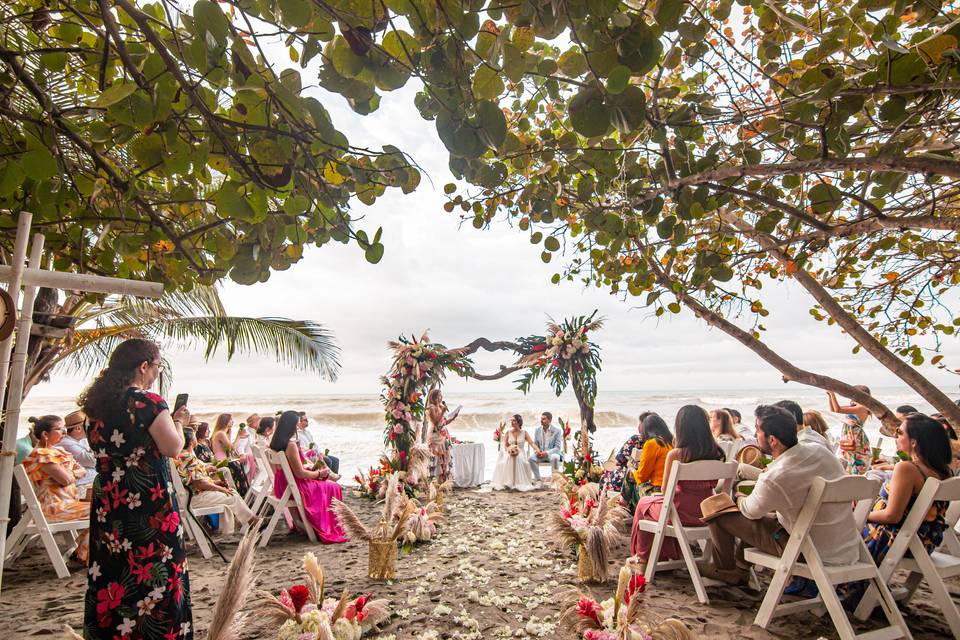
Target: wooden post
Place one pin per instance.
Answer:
(12, 415)
(30, 278)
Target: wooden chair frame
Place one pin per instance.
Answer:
(845, 490)
(669, 525)
(34, 524)
(291, 498)
(921, 565)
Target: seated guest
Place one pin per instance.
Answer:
(626, 459)
(54, 474)
(265, 432)
(203, 449)
(904, 410)
(815, 422)
(304, 438)
(242, 442)
(207, 493)
(804, 433)
(923, 439)
(730, 441)
(75, 443)
(855, 448)
(745, 431)
(26, 443)
(952, 439)
(694, 441)
(317, 492)
(549, 439)
(782, 488)
(222, 445)
(648, 477)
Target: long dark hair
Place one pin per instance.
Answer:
(653, 426)
(694, 437)
(286, 428)
(265, 425)
(933, 444)
(101, 400)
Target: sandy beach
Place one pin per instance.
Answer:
(492, 573)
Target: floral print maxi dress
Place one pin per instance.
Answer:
(137, 586)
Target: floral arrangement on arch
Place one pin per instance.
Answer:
(591, 527)
(303, 613)
(565, 356)
(620, 617)
(417, 365)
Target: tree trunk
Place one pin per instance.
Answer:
(789, 371)
(940, 401)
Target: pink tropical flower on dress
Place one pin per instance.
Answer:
(171, 522)
(153, 397)
(110, 597)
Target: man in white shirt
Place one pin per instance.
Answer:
(782, 488)
(75, 443)
(306, 441)
(804, 433)
(745, 432)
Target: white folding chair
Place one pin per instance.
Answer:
(34, 523)
(921, 565)
(192, 525)
(669, 523)
(262, 485)
(291, 498)
(845, 490)
(951, 541)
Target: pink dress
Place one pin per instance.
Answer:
(689, 495)
(316, 495)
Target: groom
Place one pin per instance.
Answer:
(550, 441)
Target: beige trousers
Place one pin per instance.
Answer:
(236, 510)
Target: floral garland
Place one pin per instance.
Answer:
(417, 365)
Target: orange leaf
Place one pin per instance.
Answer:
(791, 267)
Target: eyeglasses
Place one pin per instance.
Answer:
(898, 432)
(158, 365)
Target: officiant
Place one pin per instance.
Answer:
(549, 440)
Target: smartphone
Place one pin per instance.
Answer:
(181, 401)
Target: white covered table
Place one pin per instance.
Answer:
(468, 464)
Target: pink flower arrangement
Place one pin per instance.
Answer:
(590, 608)
(599, 634)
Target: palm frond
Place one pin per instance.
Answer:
(377, 611)
(350, 522)
(562, 534)
(274, 610)
(341, 607)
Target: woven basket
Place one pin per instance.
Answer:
(584, 565)
(382, 560)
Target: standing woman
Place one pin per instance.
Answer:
(222, 444)
(438, 438)
(137, 583)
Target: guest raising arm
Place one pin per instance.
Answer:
(854, 445)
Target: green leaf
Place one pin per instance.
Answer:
(628, 109)
(572, 63)
(487, 84)
(551, 243)
(11, 177)
(588, 115)
(618, 79)
(209, 18)
(115, 94)
(492, 124)
(230, 203)
(639, 48)
(824, 197)
(295, 12)
(669, 12)
(402, 46)
(39, 164)
(374, 253)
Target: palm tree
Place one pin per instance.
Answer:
(79, 335)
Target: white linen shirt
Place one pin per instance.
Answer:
(83, 454)
(783, 488)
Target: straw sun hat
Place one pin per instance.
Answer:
(8, 314)
(717, 505)
(75, 419)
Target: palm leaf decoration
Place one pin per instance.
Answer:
(194, 318)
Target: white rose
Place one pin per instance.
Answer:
(344, 629)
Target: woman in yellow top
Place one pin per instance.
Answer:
(54, 473)
(658, 441)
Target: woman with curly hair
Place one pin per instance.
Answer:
(137, 585)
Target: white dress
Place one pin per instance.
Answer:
(513, 472)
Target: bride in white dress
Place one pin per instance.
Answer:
(513, 469)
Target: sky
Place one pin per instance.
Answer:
(460, 283)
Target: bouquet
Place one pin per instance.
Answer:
(498, 434)
(513, 450)
(302, 611)
(618, 618)
(592, 528)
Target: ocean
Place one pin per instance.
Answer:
(351, 425)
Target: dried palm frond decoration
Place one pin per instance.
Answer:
(436, 492)
(304, 610)
(592, 529)
(227, 616)
(620, 617)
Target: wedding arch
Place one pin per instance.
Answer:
(565, 355)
